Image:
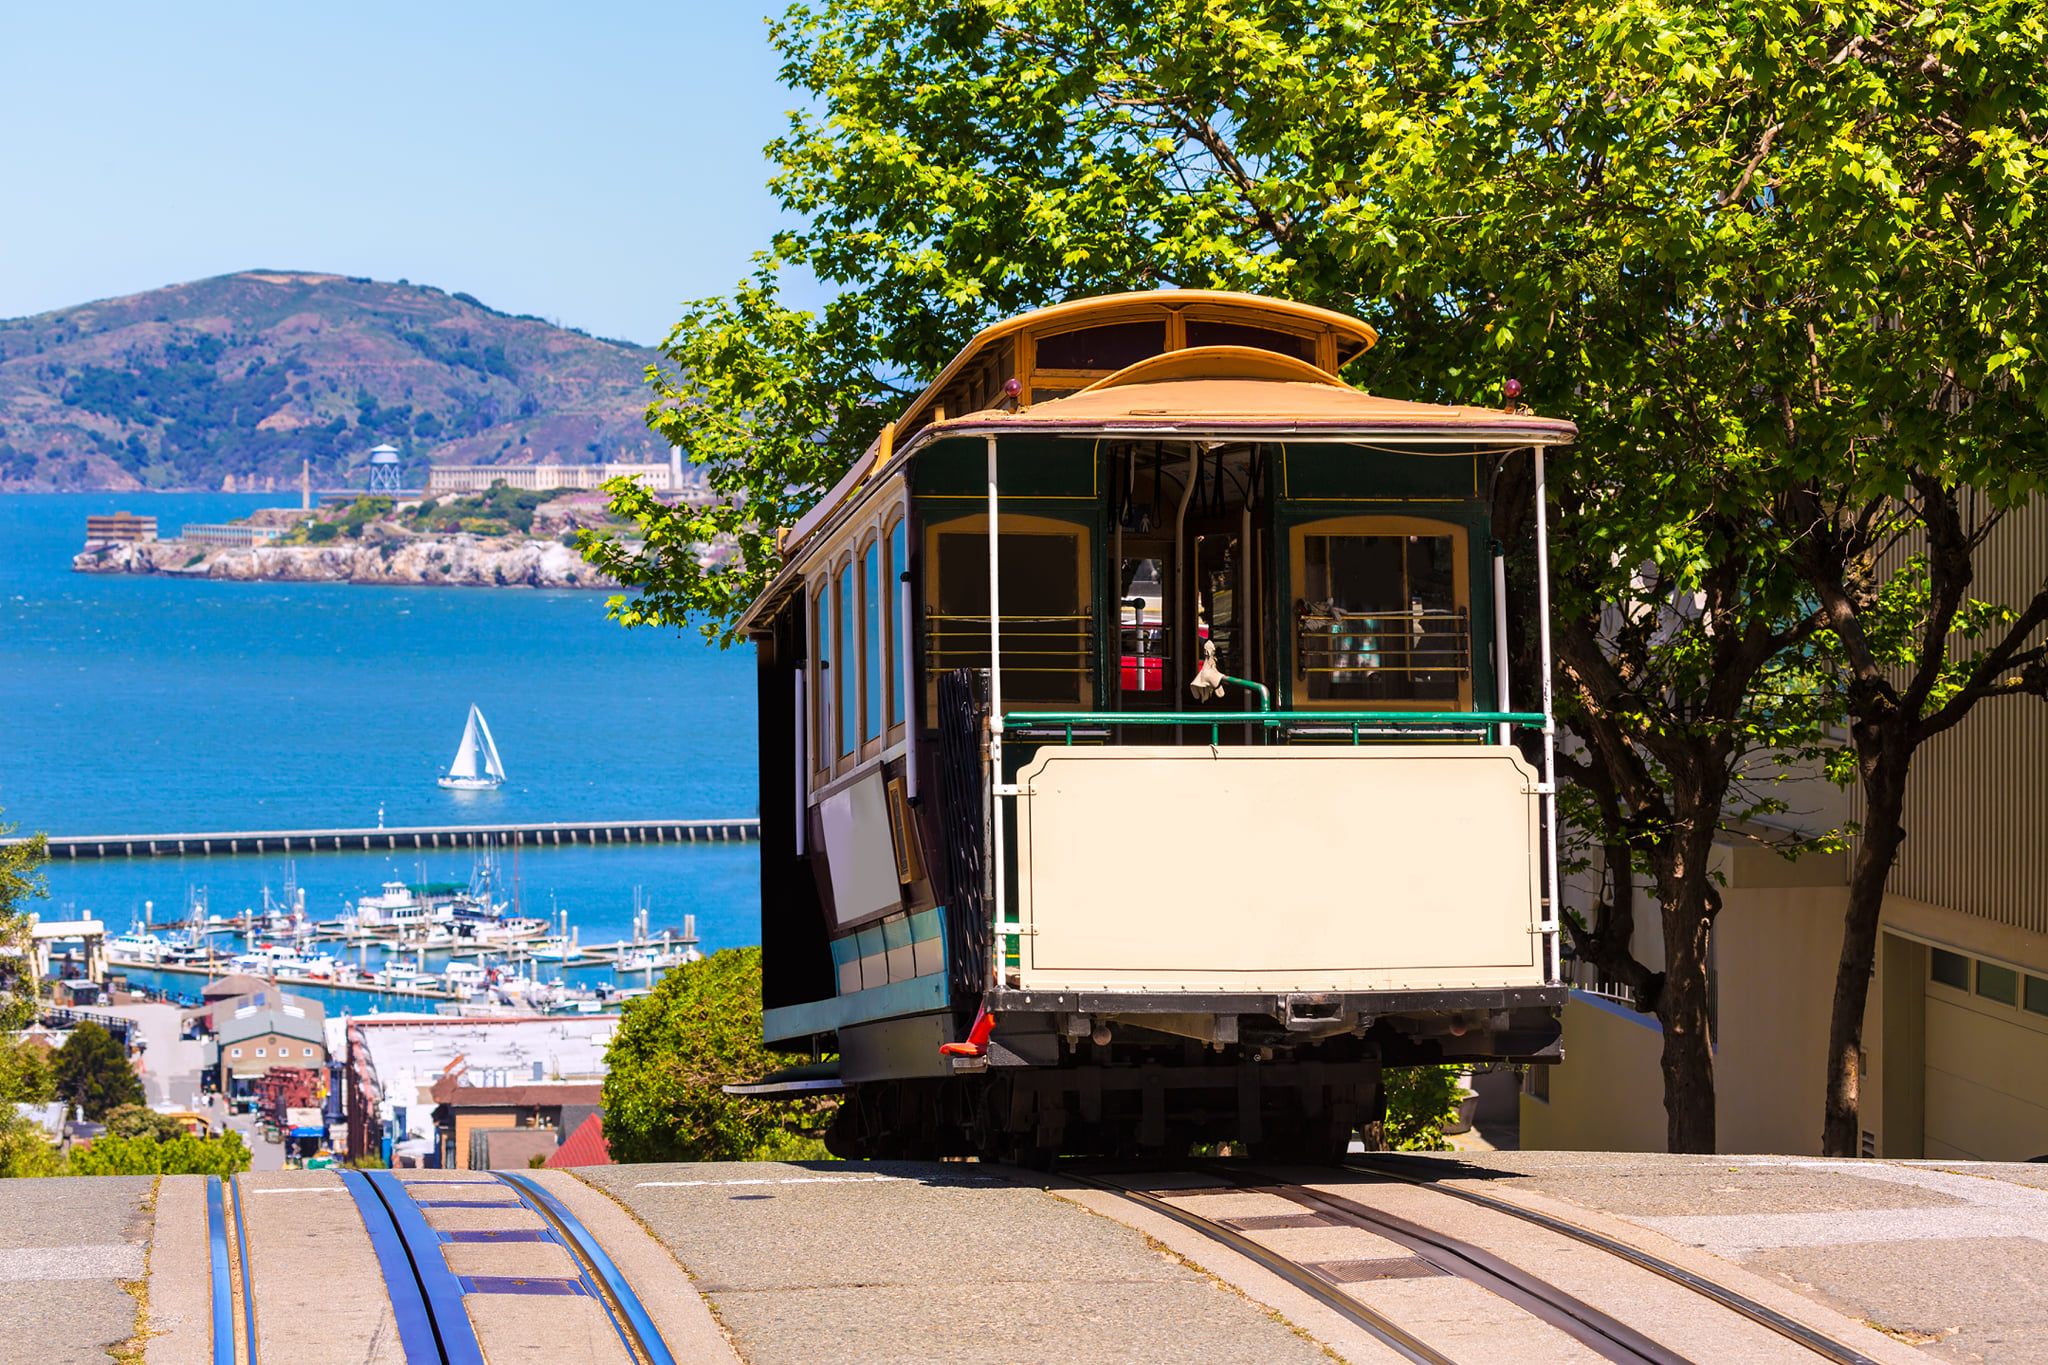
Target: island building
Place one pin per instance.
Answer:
(1956, 1031)
(120, 526)
(673, 477)
(232, 534)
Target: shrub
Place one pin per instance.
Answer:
(140, 1121)
(182, 1155)
(698, 1031)
(320, 532)
(1421, 1102)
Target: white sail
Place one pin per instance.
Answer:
(465, 755)
(492, 765)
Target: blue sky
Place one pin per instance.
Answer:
(594, 164)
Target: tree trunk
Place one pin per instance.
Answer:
(1683, 1008)
(1883, 831)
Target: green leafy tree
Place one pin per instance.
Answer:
(1422, 1101)
(700, 1030)
(140, 1121)
(93, 1072)
(25, 1076)
(25, 1150)
(146, 1155)
(21, 878)
(1780, 265)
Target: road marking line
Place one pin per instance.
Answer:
(824, 1180)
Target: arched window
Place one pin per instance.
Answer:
(874, 657)
(822, 693)
(894, 564)
(847, 653)
(1381, 613)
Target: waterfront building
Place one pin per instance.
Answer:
(119, 526)
(232, 534)
(254, 1039)
(672, 477)
(483, 1126)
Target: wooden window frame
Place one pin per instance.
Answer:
(1017, 523)
(871, 669)
(1373, 525)
(824, 694)
(897, 696)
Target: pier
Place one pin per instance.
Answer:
(410, 837)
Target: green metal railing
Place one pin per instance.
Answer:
(1361, 722)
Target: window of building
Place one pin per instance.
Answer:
(307, 1051)
(872, 617)
(2036, 997)
(1381, 612)
(893, 567)
(1046, 625)
(1998, 983)
(236, 1052)
(259, 1052)
(1950, 969)
(848, 654)
(1205, 333)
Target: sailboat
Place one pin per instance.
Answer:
(476, 766)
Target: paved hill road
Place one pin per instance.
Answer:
(1706, 1261)
(245, 375)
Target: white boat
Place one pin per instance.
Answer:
(476, 766)
(268, 960)
(136, 946)
(399, 906)
(398, 976)
(465, 978)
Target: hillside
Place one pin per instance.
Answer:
(245, 375)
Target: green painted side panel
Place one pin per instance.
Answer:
(1355, 474)
(1039, 468)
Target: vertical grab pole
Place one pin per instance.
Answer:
(803, 746)
(1500, 641)
(1551, 908)
(999, 954)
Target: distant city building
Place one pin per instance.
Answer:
(661, 478)
(120, 526)
(254, 1040)
(231, 534)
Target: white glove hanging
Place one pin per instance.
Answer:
(1208, 681)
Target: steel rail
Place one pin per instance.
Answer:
(1601, 1332)
(220, 1273)
(417, 1337)
(642, 1337)
(439, 1288)
(234, 1190)
(1383, 1329)
(1819, 1343)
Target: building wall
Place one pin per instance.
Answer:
(249, 1064)
(469, 1120)
(476, 478)
(1607, 1095)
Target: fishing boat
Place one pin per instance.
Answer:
(476, 766)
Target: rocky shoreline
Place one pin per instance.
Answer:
(459, 560)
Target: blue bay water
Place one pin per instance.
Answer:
(150, 705)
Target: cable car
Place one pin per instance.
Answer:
(1138, 765)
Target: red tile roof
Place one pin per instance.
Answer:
(584, 1147)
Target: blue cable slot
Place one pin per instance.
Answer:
(587, 1246)
(248, 1270)
(222, 1275)
(438, 1285)
(416, 1334)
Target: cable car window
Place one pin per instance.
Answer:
(822, 685)
(871, 632)
(1047, 627)
(1380, 619)
(892, 572)
(1102, 348)
(849, 658)
(1204, 333)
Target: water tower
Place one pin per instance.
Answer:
(384, 470)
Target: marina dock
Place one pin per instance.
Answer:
(591, 832)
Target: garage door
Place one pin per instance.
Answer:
(1987, 1059)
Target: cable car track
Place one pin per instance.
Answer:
(1599, 1331)
(1821, 1345)
(429, 1299)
